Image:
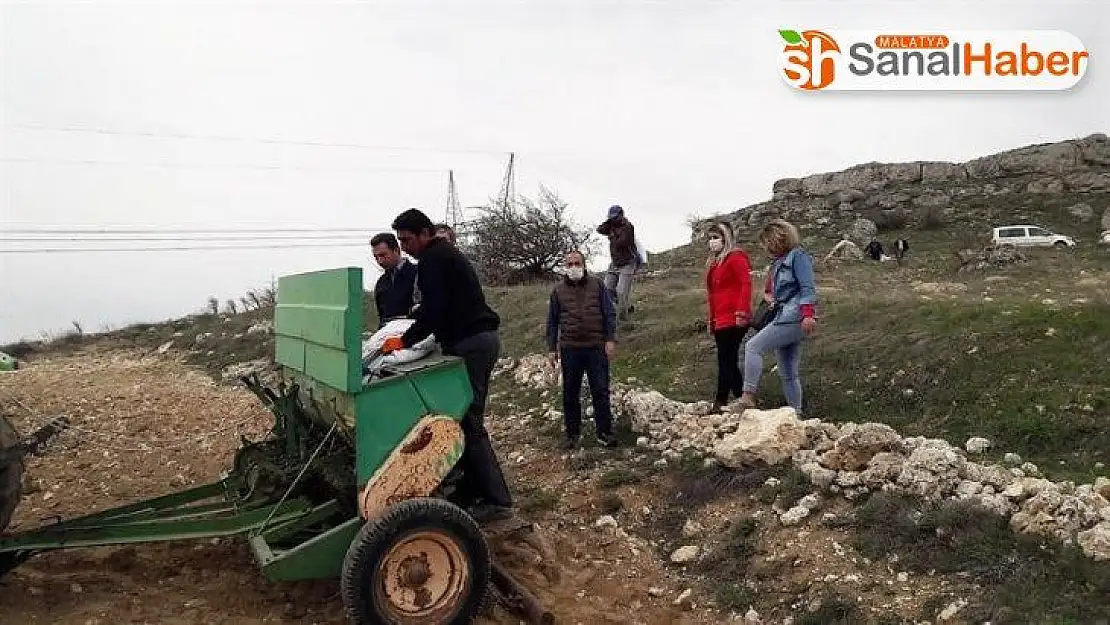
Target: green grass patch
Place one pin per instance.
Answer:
(791, 486)
(726, 565)
(620, 476)
(539, 500)
(833, 610)
(948, 368)
(1025, 580)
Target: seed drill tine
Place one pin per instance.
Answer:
(264, 393)
(297, 479)
(33, 443)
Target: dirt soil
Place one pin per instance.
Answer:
(145, 425)
(606, 521)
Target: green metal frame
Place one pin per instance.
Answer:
(201, 512)
(380, 413)
(317, 319)
(318, 325)
(318, 329)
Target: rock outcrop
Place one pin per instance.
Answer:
(990, 257)
(854, 459)
(767, 436)
(1012, 184)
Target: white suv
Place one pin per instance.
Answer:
(1029, 236)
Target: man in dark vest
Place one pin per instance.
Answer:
(453, 307)
(581, 333)
(394, 292)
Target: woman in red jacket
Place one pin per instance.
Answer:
(728, 286)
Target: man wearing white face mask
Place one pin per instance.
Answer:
(581, 334)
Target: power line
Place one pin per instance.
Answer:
(62, 161)
(327, 144)
(186, 248)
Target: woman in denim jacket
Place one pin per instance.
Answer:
(790, 282)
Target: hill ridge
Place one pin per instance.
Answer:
(1054, 182)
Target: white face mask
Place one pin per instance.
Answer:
(576, 273)
(716, 245)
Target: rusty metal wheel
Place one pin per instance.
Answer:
(423, 575)
(423, 561)
(11, 474)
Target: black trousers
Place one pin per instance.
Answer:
(594, 364)
(730, 379)
(482, 480)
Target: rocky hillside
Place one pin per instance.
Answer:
(951, 467)
(1063, 185)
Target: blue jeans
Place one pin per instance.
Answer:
(786, 340)
(592, 362)
(618, 280)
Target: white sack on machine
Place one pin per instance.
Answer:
(373, 360)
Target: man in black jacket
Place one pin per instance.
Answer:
(453, 308)
(394, 292)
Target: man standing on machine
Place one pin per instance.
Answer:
(453, 308)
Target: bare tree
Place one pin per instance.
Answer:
(524, 240)
(231, 306)
(213, 305)
(267, 297)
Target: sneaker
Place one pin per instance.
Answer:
(487, 513)
(607, 440)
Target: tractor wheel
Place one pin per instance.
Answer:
(11, 475)
(423, 561)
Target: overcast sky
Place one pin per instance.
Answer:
(668, 108)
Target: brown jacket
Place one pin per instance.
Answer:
(622, 240)
(580, 314)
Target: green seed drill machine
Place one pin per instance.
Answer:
(347, 484)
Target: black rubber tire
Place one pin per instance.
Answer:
(1059, 245)
(364, 556)
(11, 475)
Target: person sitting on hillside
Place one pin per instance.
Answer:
(395, 291)
(874, 250)
(581, 334)
(624, 258)
(901, 246)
